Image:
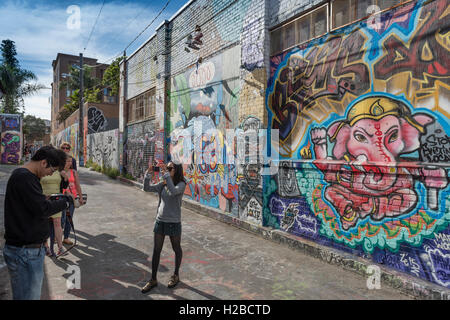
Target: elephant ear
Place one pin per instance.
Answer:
(411, 134)
(339, 132)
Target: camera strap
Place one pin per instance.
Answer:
(69, 218)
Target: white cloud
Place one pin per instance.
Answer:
(41, 32)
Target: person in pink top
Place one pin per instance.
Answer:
(75, 189)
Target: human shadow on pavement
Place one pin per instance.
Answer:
(112, 270)
(108, 269)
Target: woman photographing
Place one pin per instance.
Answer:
(168, 219)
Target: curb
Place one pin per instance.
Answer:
(404, 283)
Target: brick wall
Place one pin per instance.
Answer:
(369, 172)
(342, 186)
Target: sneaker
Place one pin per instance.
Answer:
(61, 252)
(149, 286)
(173, 281)
(67, 241)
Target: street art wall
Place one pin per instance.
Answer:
(70, 135)
(364, 129)
(11, 135)
(97, 120)
(205, 99)
(103, 148)
(143, 145)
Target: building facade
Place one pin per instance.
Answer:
(97, 117)
(60, 93)
(354, 108)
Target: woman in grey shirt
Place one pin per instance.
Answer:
(168, 219)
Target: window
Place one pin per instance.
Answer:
(142, 106)
(149, 104)
(348, 11)
(305, 28)
(107, 96)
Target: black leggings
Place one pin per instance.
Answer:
(158, 245)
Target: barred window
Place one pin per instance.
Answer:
(142, 107)
(302, 29)
(347, 11)
(316, 23)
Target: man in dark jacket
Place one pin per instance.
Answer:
(27, 211)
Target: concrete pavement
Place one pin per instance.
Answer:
(115, 240)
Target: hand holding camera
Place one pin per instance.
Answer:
(76, 201)
(61, 196)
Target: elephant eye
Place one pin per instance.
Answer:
(360, 138)
(393, 137)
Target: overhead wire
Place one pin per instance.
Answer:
(122, 51)
(160, 12)
(93, 27)
(139, 65)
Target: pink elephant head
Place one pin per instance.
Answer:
(379, 129)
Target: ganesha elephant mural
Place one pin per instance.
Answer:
(364, 126)
(370, 141)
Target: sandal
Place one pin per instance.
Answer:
(173, 281)
(149, 286)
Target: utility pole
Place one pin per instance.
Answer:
(80, 124)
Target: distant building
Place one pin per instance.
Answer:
(97, 117)
(60, 93)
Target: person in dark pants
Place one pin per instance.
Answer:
(26, 212)
(168, 220)
(65, 146)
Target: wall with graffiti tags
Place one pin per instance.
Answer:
(205, 99)
(222, 93)
(70, 135)
(11, 134)
(103, 148)
(102, 117)
(363, 115)
(143, 144)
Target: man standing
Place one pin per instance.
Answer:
(26, 222)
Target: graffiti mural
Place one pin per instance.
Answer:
(204, 99)
(70, 135)
(102, 148)
(11, 135)
(142, 146)
(250, 180)
(364, 129)
(96, 120)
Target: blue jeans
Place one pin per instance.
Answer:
(26, 270)
(65, 223)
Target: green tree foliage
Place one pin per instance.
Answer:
(9, 53)
(111, 77)
(33, 128)
(15, 82)
(72, 81)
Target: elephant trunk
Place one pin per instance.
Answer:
(382, 175)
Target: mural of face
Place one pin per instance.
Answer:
(378, 129)
(369, 142)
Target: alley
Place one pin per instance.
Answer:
(220, 262)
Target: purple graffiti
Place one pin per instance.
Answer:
(10, 148)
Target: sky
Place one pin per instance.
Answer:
(43, 28)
